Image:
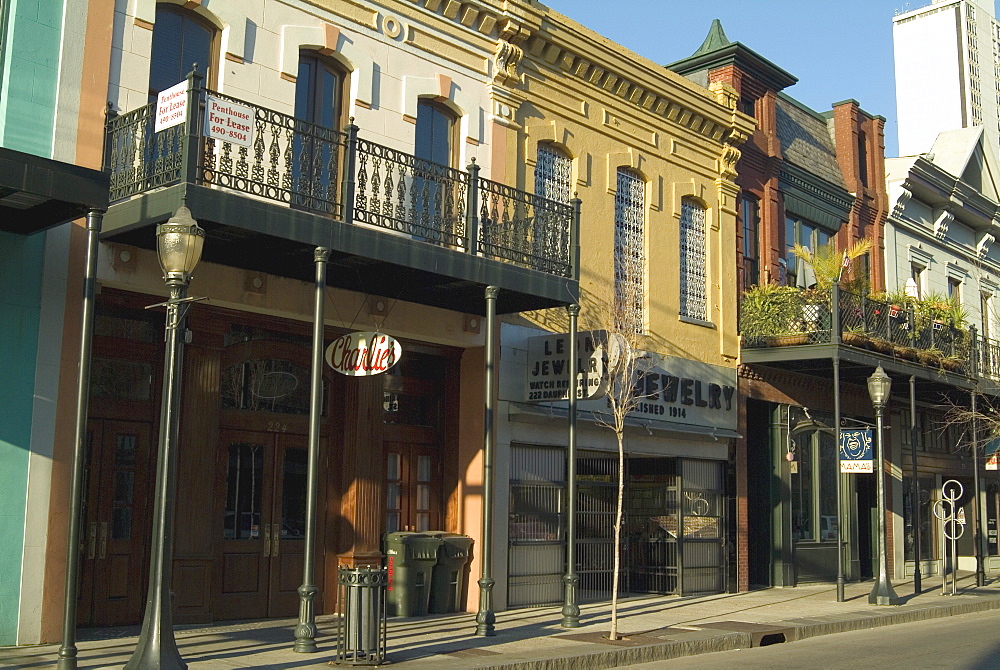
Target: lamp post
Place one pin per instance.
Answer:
(178, 245)
(878, 388)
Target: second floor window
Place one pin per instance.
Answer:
(553, 174)
(750, 213)
(434, 139)
(808, 235)
(630, 254)
(318, 92)
(180, 39)
(694, 277)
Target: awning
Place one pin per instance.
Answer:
(532, 413)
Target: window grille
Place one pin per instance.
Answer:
(694, 278)
(553, 175)
(630, 257)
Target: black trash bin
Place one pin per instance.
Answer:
(361, 634)
(410, 559)
(448, 581)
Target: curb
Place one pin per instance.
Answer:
(704, 641)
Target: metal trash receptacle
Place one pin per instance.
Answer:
(361, 633)
(410, 559)
(449, 575)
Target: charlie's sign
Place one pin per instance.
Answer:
(363, 354)
(548, 367)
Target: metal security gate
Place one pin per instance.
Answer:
(672, 526)
(536, 557)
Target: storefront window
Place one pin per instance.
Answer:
(813, 476)
(926, 485)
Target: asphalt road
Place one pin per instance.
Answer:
(968, 642)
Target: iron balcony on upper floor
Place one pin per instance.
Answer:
(804, 329)
(398, 226)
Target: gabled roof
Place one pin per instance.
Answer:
(964, 153)
(717, 51)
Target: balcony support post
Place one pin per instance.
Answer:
(840, 478)
(835, 325)
(350, 167)
(305, 631)
(190, 141)
(472, 213)
(574, 241)
(485, 618)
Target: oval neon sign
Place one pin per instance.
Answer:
(363, 354)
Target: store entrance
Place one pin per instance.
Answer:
(263, 486)
(115, 515)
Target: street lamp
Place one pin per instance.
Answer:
(178, 245)
(878, 388)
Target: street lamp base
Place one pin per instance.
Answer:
(883, 594)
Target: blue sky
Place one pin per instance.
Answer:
(838, 49)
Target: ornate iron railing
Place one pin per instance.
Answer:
(783, 316)
(524, 229)
(343, 176)
(290, 161)
(139, 159)
(409, 195)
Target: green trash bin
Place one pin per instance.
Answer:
(448, 583)
(410, 559)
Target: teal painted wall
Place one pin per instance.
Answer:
(20, 299)
(30, 75)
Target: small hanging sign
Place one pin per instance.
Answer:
(363, 354)
(856, 451)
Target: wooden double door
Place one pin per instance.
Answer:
(117, 499)
(262, 479)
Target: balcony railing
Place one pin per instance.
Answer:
(779, 316)
(341, 175)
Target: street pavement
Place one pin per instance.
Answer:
(654, 628)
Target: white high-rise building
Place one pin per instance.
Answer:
(947, 58)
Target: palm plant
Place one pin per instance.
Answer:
(827, 264)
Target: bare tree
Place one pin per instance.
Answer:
(621, 317)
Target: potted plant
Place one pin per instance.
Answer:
(769, 312)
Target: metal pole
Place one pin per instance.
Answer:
(67, 652)
(977, 535)
(840, 480)
(305, 631)
(485, 618)
(915, 488)
(571, 610)
(156, 648)
(881, 593)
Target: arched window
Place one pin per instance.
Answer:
(435, 136)
(630, 251)
(180, 39)
(319, 91)
(694, 276)
(553, 174)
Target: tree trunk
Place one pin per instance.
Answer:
(619, 433)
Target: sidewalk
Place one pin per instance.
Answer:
(659, 627)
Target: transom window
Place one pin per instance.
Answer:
(630, 256)
(694, 278)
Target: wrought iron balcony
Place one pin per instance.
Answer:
(343, 176)
(781, 316)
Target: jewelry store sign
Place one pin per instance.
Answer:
(677, 390)
(548, 367)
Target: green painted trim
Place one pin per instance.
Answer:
(30, 75)
(20, 299)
